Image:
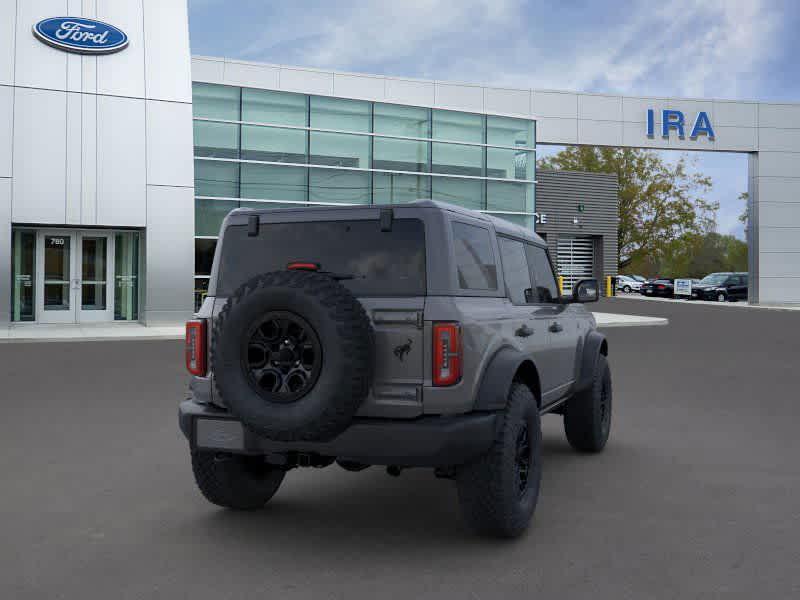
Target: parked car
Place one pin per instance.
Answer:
(628, 284)
(722, 287)
(301, 351)
(664, 288)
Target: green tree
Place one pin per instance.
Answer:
(659, 202)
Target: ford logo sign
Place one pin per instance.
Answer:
(84, 36)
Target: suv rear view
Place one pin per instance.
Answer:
(387, 336)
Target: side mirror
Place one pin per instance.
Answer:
(586, 290)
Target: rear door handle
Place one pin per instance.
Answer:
(556, 327)
(523, 331)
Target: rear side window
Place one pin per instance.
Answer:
(515, 270)
(545, 287)
(381, 263)
(475, 261)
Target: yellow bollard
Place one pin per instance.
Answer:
(561, 285)
(608, 286)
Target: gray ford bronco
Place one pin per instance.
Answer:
(416, 335)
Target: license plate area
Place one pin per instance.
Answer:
(218, 434)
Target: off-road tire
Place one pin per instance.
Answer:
(587, 415)
(347, 355)
(489, 491)
(235, 481)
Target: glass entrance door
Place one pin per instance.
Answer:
(55, 262)
(74, 272)
(94, 301)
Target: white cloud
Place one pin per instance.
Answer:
(687, 47)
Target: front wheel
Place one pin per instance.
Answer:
(498, 492)
(235, 481)
(627, 289)
(721, 297)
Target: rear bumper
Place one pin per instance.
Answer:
(432, 441)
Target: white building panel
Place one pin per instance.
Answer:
(206, 69)
(306, 81)
(89, 159)
(507, 102)
(74, 159)
(169, 144)
(6, 125)
(779, 264)
(460, 97)
(36, 64)
(779, 115)
(249, 75)
(169, 254)
(780, 140)
(122, 73)
(634, 109)
(600, 133)
(8, 23)
(779, 190)
(121, 169)
(599, 108)
(409, 91)
(778, 164)
(555, 104)
(779, 290)
(358, 86)
(39, 156)
(735, 114)
(779, 239)
(735, 139)
(166, 37)
(557, 131)
(74, 72)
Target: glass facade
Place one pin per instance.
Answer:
(270, 148)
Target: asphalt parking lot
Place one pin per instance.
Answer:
(696, 496)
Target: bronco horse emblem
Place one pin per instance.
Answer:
(402, 350)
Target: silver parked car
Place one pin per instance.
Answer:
(628, 284)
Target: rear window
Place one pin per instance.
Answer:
(382, 263)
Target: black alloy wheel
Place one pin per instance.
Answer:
(283, 356)
(523, 459)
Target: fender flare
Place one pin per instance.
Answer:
(499, 374)
(594, 345)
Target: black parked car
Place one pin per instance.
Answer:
(663, 288)
(721, 287)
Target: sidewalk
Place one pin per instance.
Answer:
(21, 332)
(605, 320)
(88, 332)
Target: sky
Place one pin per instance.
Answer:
(732, 49)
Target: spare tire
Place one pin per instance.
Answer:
(292, 354)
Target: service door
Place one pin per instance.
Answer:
(575, 260)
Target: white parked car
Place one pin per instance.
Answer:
(628, 284)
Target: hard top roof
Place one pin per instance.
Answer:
(500, 225)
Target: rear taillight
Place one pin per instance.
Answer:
(446, 353)
(661, 287)
(196, 347)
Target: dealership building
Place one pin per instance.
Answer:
(120, 154)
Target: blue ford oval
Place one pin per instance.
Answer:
(84, 36)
